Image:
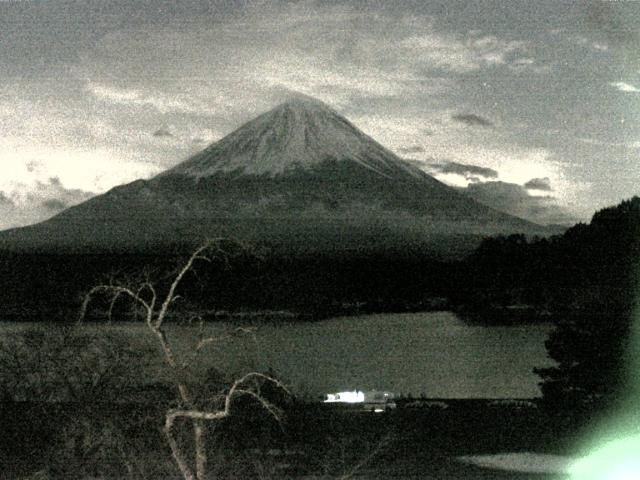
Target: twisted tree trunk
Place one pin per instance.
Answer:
(155, 318)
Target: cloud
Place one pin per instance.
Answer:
(25, 167)
(8, 212)
(515, 200)
(354, 54)
(543, 184)
(586, 42)
(333, 83)
(54, 205)
(55, 196)
(632, 145)
(496, 150)
(493, 50)
(472, 120)
(524, 61)
(393, 71)
(39, 202)
(346, 60)
(397, 131)
(625, 87)
(5, 201)
(610, 19)
(160, 101)
(162, 132)
(411, 149)
(514, 163)
(462, 55)
(529, 65)
(469, 172)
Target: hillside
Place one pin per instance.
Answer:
(299, 178)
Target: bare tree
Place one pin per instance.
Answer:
(155, 309)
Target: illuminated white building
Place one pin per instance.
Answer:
(355, 396)
(375, 400)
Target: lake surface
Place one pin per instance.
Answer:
(432, 353)
(435, 354)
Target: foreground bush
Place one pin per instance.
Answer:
(69, 364)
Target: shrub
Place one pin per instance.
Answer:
(69, 364)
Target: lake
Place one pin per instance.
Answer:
(431, 353)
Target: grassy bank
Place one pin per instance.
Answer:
(125, 441)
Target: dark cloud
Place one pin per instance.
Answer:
(412, 149)
(515, 200)
(539, 184)
(418, 163)
(45, 200)
(415, 62)
(472, 120)
(498, 191)
(54, 205)
(5, 201)
(162, 132)
(617, 21)
(54, 196)
(55, 182)
(473, 173)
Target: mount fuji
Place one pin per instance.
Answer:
(299, 177)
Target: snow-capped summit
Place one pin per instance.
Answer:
(298, 134)
(299, 177)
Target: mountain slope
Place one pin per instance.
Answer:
(299, 177)
(302, 133)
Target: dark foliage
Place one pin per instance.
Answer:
(49, 287)
(585, 280)
(126, 442)
(76, 403)
(69, 364)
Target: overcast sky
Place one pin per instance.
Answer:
(531, 106)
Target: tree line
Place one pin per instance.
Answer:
(583, 280)
(586, 282)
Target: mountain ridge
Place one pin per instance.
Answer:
(301, 132)
(299, 176)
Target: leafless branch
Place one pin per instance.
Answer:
(146, 297)
(234, 391)
(172, 290)
(268, 406)
(383, 443)
(115, 291)
(112, 304)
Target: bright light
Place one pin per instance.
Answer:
(618, 460)
(355, 396)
